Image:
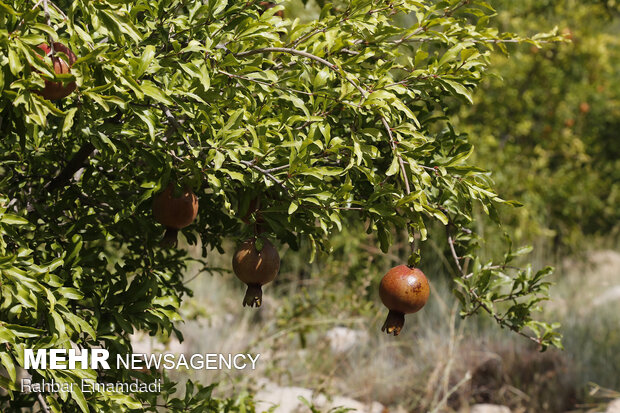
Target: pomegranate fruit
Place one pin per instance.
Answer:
(58, 90)
(256, 262)
(403, 290)
(174, 213)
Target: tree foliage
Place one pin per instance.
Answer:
(343, 117)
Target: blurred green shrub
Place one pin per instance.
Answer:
(548, 124)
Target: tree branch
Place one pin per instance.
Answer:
(264, 172)
(502, 322)
(453, 251)
(62, 13)
(74, 164)
(175, 125)
(400, 158)
(307, 55)
(43, 404)
(307, 36)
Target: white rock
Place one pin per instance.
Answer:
(342, 339)
(614, 407)
(287, 400)
(610, 295)
(489, 408)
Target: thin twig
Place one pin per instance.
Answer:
(48, 20)
(271, 84)
(472, 40)
(43, 404)
(307, 55)
(403, 170)
(170, 117)
(46, 10)
(307, 36)
(481, 304)
(349, 51)
(264, 172)
(277, 168)
(502, 322)
(62, 13)
(425, 26)
(410, 35)
(400, 158)
(74, 164)
(453, 251)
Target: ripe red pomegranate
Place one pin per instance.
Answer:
(256, 262)
(403, 290)
(58, 90)
(174, 213)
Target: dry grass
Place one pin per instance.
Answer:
(439, 363)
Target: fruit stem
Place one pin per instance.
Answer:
(170, 238)
(394, 322)
(253, 296)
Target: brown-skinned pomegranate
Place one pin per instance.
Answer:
(256, 262)
(174, 212)
(403, 290)
(58, 90)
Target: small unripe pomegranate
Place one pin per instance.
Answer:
(256, 262)
(174, 213)
(58, 90)
(568, 33)
(584, 107)
(403, 290)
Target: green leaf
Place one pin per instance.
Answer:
(24, 331)
(11, 219)
(68, 122)
(145, 60)
(465, 152)
(78, 396)
(150, 89)
(15, 63)
(292, 207)
(218, 7)
(321, 78)
(8, 364)
(458, 89)
(393, 169)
